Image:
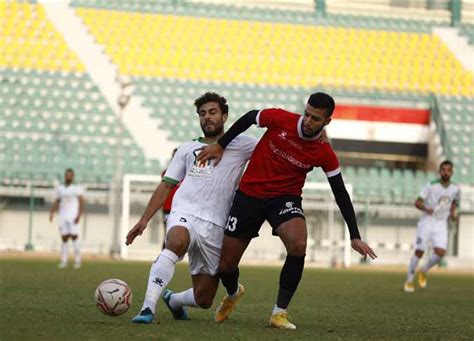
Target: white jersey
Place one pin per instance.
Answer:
(69, 201)
(438, 198)
(207, 192)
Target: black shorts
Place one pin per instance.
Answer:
(247, 214)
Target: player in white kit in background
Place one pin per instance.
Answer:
(198, 216)
(70, 204)
(438, 201)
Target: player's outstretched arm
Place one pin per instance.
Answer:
(344, 202)
(53, 210)
(156, 202)
(217, 150)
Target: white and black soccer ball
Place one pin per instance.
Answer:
(113, 297)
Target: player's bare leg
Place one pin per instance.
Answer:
(409, 286)
(201, 295)
(64, 251)
(232, 251)
(162, 271)
(293, 234)
(435, 259)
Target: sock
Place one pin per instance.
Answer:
(183, 299)
(230, 280)
(290, 277)
(161, 273)
(77, 251)
(432, 261)
(277, 310)
(64, 253)
(412, 267)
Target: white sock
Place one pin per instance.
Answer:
(432, 261)
(77, 251)
(277, 310)
(161, 273)
(64, 253)
(234, 295)
(412, 267)
(183, 299)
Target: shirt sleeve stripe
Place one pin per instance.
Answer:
(333, 172)
(170, 180)
(257, 119)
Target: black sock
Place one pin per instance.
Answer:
(290, 277)
(230, 280)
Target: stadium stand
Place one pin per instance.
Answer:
(181, 49)
(468, 31)
(44, 93)
(189, 47)
(52, 116)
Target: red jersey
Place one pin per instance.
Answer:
(169, 200)
(283, 157)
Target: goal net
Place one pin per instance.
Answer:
(328, 237)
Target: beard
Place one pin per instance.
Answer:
(212, 133)
(445, 178)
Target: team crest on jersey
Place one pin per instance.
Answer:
(284, 136)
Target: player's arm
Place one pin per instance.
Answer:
(420, 204)
(215, 151)
(81, 209)
(156, 202)
(54, 209)
(453, 211)
(344, 203)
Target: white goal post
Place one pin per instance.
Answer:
(259, 246)
(347, 240)
(124, 225)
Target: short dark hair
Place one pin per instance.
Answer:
(69, 170)
(212, 97)
(446, 162)
(320, 100)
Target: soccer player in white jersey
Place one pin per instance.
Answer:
(70, 203)
(438, 201)
(198, 216)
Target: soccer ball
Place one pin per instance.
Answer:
(113, 297)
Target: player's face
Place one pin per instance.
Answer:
(68, 177)
(211, 119)
(314, 120)
(446, 172)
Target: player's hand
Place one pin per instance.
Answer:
(213, 151)
(77, 219)
(453, 216)
(429, 211)
(136, 231)
(51, 217)
(324, 137)
(362, 247)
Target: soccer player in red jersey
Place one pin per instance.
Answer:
(271, 189)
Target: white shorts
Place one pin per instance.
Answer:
(205, 244)
(67, 226)
(434, 232)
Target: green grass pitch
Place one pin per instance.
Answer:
(39, 301)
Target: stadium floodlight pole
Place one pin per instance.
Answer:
(116, 186)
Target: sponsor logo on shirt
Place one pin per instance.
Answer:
(288, 157)
(291, 209)
(198, 170)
